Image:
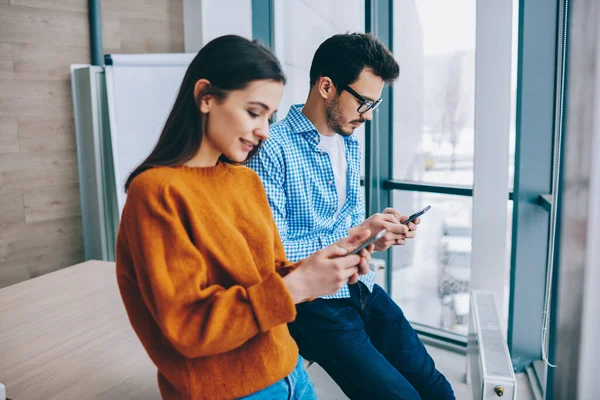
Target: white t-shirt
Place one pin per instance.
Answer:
(334, 146)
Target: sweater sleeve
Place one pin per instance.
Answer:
(198, 319)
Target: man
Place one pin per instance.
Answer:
(310, 169)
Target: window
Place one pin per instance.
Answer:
(434, 43)
(430, 275)
(433, 146)
(433, 137)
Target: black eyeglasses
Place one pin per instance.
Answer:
(365, 104)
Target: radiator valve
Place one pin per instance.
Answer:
(499, 391)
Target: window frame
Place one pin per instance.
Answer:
(540, 96)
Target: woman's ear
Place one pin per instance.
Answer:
(205, 102)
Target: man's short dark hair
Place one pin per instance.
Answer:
(343, 57)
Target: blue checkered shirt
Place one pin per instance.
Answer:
(299, 181)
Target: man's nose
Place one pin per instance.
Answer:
(368, 115)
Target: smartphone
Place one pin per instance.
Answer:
(371, 240)
(416, 215)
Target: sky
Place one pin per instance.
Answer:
(448, 25)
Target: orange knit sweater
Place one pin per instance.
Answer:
(199, 266)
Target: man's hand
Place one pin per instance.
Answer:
(390, 220)
(412, 226)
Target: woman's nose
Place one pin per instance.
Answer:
(262, 133)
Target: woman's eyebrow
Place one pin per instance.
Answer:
(263, 105)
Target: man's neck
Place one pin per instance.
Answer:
(314, 110)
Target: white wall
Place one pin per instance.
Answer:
(589, 364)
(490, 162)
(577, 317)
(205, 20)
(300, 27)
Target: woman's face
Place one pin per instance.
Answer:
(237, 123)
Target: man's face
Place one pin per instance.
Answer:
(342, 111)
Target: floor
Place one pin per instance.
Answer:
(451, 364)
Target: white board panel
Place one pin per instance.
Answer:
(141, 90)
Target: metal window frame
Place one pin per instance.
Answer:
(533, 174)
(379, 132)
(410, 186)
(456, 190)
(534, 152)
(533, 162)
(378, 189)
(263, 22)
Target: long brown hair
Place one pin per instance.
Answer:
(229, 63)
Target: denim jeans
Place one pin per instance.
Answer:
(368, 347)
(295, 386)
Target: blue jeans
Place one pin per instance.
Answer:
(368, 347)
(295, 386)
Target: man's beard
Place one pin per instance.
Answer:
(335, 119)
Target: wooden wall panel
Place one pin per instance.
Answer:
(7, 70)
(9, 142)
(47, 203)
(20, 24)
(67, 5)
(40, 62)
(135, 34)
(40, 216)
(144, 26)
(46, 134)
(12, 207)
(25, 97)
(13, 272)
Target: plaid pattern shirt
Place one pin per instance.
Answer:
(300, 184)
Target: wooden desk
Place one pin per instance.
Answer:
(65, 335)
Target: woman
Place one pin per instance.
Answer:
(200, 264)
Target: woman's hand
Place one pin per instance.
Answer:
(329, 269)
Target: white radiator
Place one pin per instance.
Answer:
(489, 366)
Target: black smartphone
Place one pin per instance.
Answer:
(416, 215)
(370, 241)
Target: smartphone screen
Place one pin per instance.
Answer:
(370, 241)
(416, 215)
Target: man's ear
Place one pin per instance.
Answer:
(205, 102)
(325, 87)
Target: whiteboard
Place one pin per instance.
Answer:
(141, 90)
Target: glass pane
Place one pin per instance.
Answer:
(431, 273)
(434, 42)
(300, 27)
